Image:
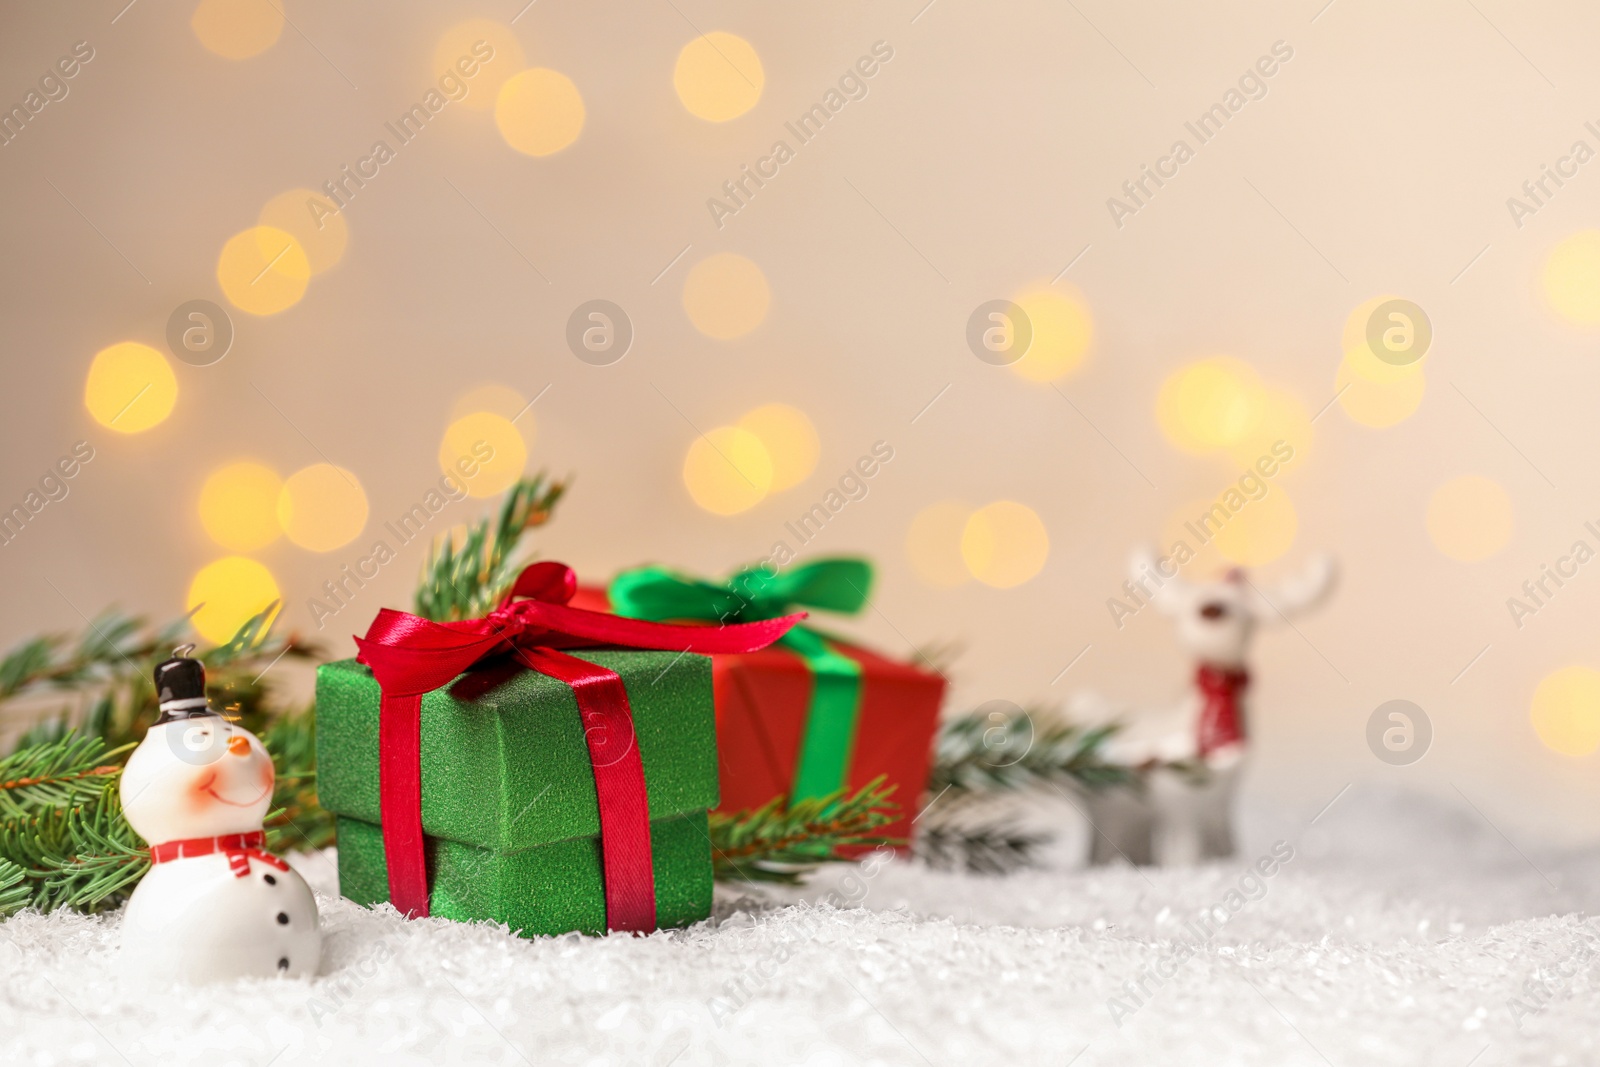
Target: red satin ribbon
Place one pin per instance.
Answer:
(410, 656)
(240, 849)
(1221, 718)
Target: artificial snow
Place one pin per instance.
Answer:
(1398, 932)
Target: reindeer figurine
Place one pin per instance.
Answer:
(1190, 757)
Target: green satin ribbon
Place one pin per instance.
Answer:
(757, 593)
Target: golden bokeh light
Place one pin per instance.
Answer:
(1470, 518)
(491, 62)
(486, 451)
(1063, 330)
(790, 440)
(237, 29)
(1257, 533)
(1566, 711)
(130, 387)
(718, 76)
(1572, 278)
(1354, 334)
(727, 470)
(933, 544)
(726, 296)
(311, 219)
(322, 507)
(1364, 364)
(494, 398)
(229, 592)
(239, 506)
(1210, 404)
(1378, 404)
(539, 111)
(1004, 544)
(263, 270)
(1282, 418)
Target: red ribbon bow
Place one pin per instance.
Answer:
(410, 656)
(240, 850)
(1221, 718)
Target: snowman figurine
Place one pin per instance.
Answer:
(215, 904)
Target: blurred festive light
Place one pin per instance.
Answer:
(1004, 544)
(1364, 364)
(1062, 332)
(790, 440)
(263, 270)
(1378, 404)
(1258, 532)
(491, 63)
(1282, 418)
(494, 398)
(1354, 334)
(233, 590)
(933, 544)
(1572, 278)
(1210, 404)
(237, 29)
(727, 470)
(130, 387)
(1469, 518)
(311, 219)
(726, 296)
(322, 507)
(539, 111)
(239, 506)
(718, 76)
(1566, 711)
(485, 451)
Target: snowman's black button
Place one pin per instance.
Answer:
(283, 964)
(267, 878)
(283, 918)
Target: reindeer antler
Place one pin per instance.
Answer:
(1298, 594)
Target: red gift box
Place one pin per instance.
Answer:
(763, 700)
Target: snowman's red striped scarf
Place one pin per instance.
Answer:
(240, 850)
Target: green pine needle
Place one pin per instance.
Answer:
(85, 857)
(981, 753)
(56, 774)
(15, 893)
(778, 842)
(991, 848)
(465, 577)
(108, 672)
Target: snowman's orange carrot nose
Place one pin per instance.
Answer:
(239, 746)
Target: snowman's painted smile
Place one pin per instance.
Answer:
(219, 798)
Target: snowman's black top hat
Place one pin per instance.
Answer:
(181, 687)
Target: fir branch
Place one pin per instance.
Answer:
(296, 822)
(15, 893)
(56, 660)
(467, 574)
(85, 857)
(992, 849)
(980, 753)
(781, 843)
(108, 671)
(56, 774)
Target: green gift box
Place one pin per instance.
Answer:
(509, 805)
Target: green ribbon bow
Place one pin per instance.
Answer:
(758, 593)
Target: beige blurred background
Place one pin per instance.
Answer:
(977, 167)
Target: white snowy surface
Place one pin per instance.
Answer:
(1400, 933)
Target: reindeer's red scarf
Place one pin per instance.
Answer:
(1221, 717)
